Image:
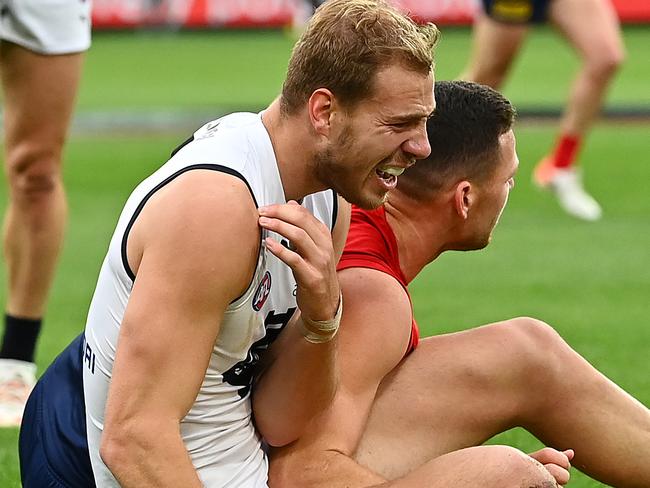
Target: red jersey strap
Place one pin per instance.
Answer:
(371, 244)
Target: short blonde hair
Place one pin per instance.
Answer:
(346, 43)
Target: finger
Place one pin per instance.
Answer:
(298, 216)
(284, 254)
(310, 256)
(322, 301)
(550, 455)
(299, 239)
(318, 279)
(318, 253)
(569, 453)
(560, 474)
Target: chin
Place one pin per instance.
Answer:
(370, 203)
(484, 242)
(364, 201)
(475, 244)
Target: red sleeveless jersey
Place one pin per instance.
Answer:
(371, 244)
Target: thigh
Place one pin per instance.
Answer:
(494, 47)
(455, 391)
(590, 26)
(39, 93)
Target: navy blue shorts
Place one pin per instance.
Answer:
(517, 11)
(52, 445)
(35, 470)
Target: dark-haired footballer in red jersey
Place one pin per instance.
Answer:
(411, 420)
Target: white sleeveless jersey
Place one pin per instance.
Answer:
(218, 431)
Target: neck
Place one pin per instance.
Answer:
(294, 148)
(421, 230)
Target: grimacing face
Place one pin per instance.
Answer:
(371, 145)
(494, 192)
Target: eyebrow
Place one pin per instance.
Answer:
(412, 117)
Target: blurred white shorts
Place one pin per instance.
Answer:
(46, 26)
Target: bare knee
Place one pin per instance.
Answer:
(537, 354)
(495, 467)
(517, 469)
(603, 66)
(34, 174)
(534, 337)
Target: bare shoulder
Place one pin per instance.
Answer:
(376, 323)
(203, 218)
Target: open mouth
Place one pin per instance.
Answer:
(389, 174)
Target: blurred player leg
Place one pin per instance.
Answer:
(591, 27)
(39, 97)
(458, 390)
(494, 47)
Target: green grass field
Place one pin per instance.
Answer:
(196, 69)
(591, 281)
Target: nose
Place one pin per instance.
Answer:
(418, 144)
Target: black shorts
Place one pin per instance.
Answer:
(517, 11)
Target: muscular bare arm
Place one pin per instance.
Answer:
(373, 337)
(188, 270)
(299, 378)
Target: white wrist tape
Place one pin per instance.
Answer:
(321, 331)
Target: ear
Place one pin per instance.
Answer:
(463, 199)
(320, 107)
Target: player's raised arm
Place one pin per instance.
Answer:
(193, 250)
(301, 374)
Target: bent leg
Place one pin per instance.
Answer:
(494, 47)
(485, 466)
(592, 28)
(458, 390)
(39, 97)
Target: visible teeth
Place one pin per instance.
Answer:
(392, 170)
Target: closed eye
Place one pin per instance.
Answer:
(401, 125)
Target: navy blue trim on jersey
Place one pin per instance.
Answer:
(213, 167)
(517, 11)
(335, 208)
(182, 145)
(53, 447)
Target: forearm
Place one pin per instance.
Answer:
(300, 374)
(322, 469)
(298, 384)
(157, 458)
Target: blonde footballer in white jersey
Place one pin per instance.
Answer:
(213, 255)
(217, 430)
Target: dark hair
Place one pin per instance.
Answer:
(464, 133)
(346, 43)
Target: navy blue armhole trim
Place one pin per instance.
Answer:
(182, 145)
(335, 208)
(213, 167)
